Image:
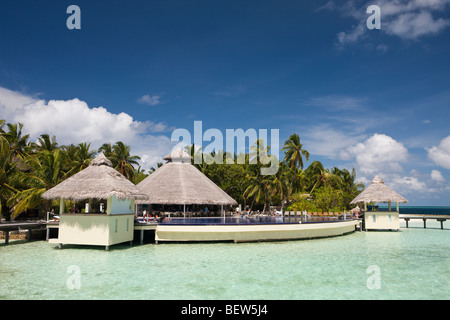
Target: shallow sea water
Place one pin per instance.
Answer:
(413, 264)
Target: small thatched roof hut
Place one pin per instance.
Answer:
(98, 181)
(179, 182)
(377, 191)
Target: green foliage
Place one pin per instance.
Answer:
(302, 203)
(28, 169)
(327, 198)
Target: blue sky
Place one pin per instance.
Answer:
(375, 100)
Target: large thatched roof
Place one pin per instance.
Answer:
(179, 182)
(98, 181)
(377, 191)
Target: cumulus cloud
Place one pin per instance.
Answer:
(436, 175)
(73, 121)
(381, 154)
(407, 184)
(441, 154)
(378, 153)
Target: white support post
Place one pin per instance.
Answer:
(61, 206)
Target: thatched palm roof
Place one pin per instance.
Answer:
(178, 155)
(179, 182)
(377, 191)
(98, 181)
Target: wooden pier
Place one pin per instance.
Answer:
(6, 227)
(440, 218)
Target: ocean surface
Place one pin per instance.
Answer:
(424, 210)
(413, 263)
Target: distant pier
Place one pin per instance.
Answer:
(424, 217)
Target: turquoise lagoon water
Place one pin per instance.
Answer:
(413, 264)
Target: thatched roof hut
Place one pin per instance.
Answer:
(179, 182)
(98, 181)
(377, 191)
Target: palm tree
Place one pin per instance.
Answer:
(139, 175)
(47, 171)
(260, 187)
(282, 184)
(257, 188)
(8, 171)
(80, 158)
(45, 143)
(106, 148)
(348, 181)
(121, 158)
(319, 176)
(153, 169)
(316, 174)
(294, 152)
(259, 154)
(348, 186)
(17, 141)
(2, 122)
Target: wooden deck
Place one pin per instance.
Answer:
(6, 227)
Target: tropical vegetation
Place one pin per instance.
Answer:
(28, 169)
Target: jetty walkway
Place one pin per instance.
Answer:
(424, 217)
(6, 227)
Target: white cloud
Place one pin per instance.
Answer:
(441, 154)
(351, 36)
(324, 140)
(73, 121)
(381, 154)
(413, 25)
(150, 100)
(407, 184)
(436, 175)
(378, 154)
(407, 19)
